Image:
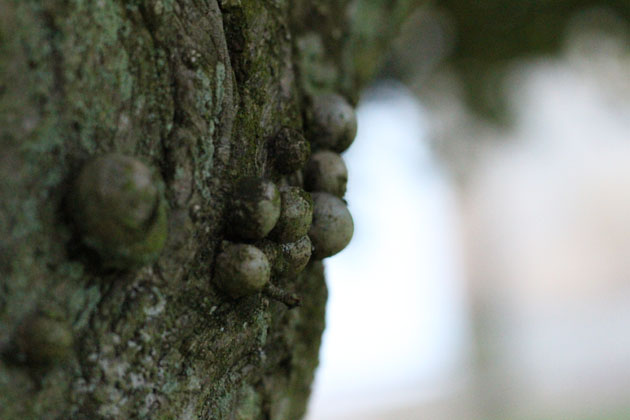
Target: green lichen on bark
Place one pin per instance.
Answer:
(196, 89)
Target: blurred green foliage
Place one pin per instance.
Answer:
(490, 31)
(481, 38)
(489, 34)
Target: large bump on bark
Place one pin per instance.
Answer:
(332, 227)
(118, 205)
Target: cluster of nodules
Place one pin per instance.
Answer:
(119, 209)
(118, 206)
(280, 229)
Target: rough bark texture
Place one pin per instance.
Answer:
(195, 88)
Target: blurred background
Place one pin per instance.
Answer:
(489, 274)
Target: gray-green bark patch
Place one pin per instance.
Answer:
(155, 80)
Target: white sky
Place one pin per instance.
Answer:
(395, 316)
(396, 321)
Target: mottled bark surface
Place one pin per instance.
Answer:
(196, 89)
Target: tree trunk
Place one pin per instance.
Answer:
(195, 89)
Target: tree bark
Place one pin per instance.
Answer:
(196, 89)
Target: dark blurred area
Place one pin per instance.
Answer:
(480, 40)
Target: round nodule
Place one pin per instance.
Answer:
(44, 340)
(255, 208)
(296, 256)
(332, 227)
(326, 172)
(331, 122)
(241, 270)
(118, 205)
(296, 215)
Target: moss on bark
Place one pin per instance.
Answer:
(195, 88)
